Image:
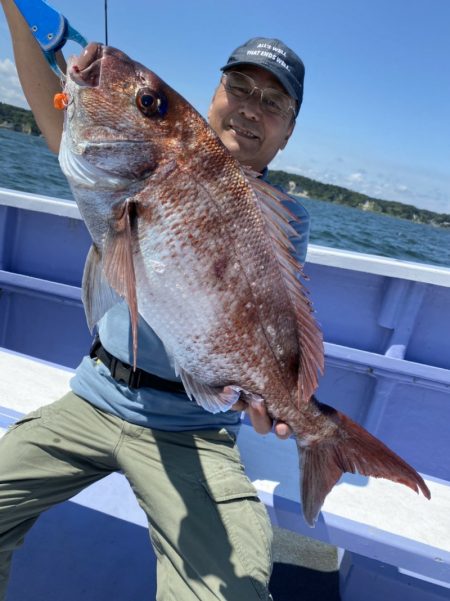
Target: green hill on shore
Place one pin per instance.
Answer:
(18, 119)
(303, 186)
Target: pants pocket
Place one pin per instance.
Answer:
(27, 421)
(246, 522)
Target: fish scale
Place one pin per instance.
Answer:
(220, 300)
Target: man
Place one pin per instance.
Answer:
(211, 534)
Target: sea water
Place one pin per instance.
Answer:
(27, 164)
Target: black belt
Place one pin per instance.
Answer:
(122, 372)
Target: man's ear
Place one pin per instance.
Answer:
(212, 104)
(288, 135)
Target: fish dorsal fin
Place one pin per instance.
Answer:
(98, 296)
(118, 262)
(213, 399)
(278, 219)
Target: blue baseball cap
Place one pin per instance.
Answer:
(274, 56)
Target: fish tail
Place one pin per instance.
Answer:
(350, 449)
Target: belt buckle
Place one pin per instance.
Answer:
(134, 380)
(124, 373)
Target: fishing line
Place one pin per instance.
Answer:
(106, 22)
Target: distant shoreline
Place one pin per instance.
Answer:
(18, 119)
(305, 187)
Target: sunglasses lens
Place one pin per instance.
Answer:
(275, 102)
(239, 84)
(242, 86)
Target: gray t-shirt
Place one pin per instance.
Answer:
(145, 406)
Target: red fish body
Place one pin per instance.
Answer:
(200, 248)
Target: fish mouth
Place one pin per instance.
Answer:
(83, 173)
(85, 70)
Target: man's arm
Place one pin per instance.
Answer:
(38, 81)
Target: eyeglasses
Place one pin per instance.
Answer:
(272, 101)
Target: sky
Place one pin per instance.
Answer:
(376, 111)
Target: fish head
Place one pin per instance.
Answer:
(123, 123)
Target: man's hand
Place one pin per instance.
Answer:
(261, 420)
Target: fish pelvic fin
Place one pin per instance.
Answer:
(352, 450)
(118, 263)
(279, 220)
(213, 399)
(98, 296)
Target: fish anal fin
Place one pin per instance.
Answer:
(98, 296)
(118, 262)
(351, 450)
(213, 399)
(279, 219)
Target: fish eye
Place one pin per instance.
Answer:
(151, 103)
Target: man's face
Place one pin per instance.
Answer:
(251, 135)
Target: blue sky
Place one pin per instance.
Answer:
(376, 111)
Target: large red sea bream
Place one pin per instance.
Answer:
(200, 248)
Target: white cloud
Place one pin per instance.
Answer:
(357, 176)
(10, 88)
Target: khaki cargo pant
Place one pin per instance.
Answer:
(211, 534)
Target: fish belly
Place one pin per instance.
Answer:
(198, 299)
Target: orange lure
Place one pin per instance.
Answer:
(60, 101)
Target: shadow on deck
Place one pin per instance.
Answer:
(74, 552)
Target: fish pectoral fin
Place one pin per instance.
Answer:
(213, 399)
(118, 262)
(98, 296)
